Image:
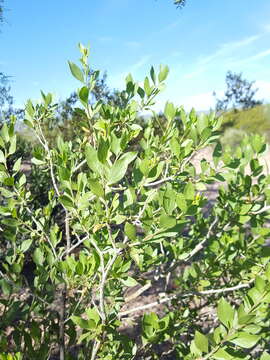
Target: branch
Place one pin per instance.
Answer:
(200, 246)
(79, 165)
(159, 182)
(265, 208)
(80, 241)
(167, 299)
(138, 292)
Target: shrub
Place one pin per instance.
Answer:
(133, 221)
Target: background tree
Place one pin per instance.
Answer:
(6, 100)
(238, 95)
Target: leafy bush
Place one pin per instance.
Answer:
(134, 223)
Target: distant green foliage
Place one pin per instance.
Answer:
(255, 120)
(232, 137)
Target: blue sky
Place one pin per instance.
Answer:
(199, 44)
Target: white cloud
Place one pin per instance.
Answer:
(263, 90)
(260, 55)
(199, 70)
(203, 101)
(225, 52)
(228, 48)
(249, 59)
(266, 28)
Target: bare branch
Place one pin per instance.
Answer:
(166, 299)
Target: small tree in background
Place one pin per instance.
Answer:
(6, 100)
(180, 3)
(239, 93)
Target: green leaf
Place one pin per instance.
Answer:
(181, 202)
(257, 143)
(153, 75)
(76, 71)
(217, 153)
(119, 168)
(66, 201)
(265, 356)
(147, 87)
(84, 94)
(5, 286)
(150, 324)
(38, 256)
(129, 281)
(103, 148)
(246, 340)
(2, 157)
(82, 323)
(12, 147)
(202, 123)
(130, 231)
(163, 73)
(25, 245)
(225, 313)
(92, 314)
(6, 193)
(141, 92)
(175, 146)
(167, 222)
(92, 160)
(169, 111)
(4, 132)
(189, 191)
(221, 354)
(17, 165)
(96, 188)
(115, 144)
(37, 161)
(260, 284)
(201, 342)
(245, 208)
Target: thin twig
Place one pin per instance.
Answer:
(159, 182)
(79, 165)
(200, 246)
(73, 247)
